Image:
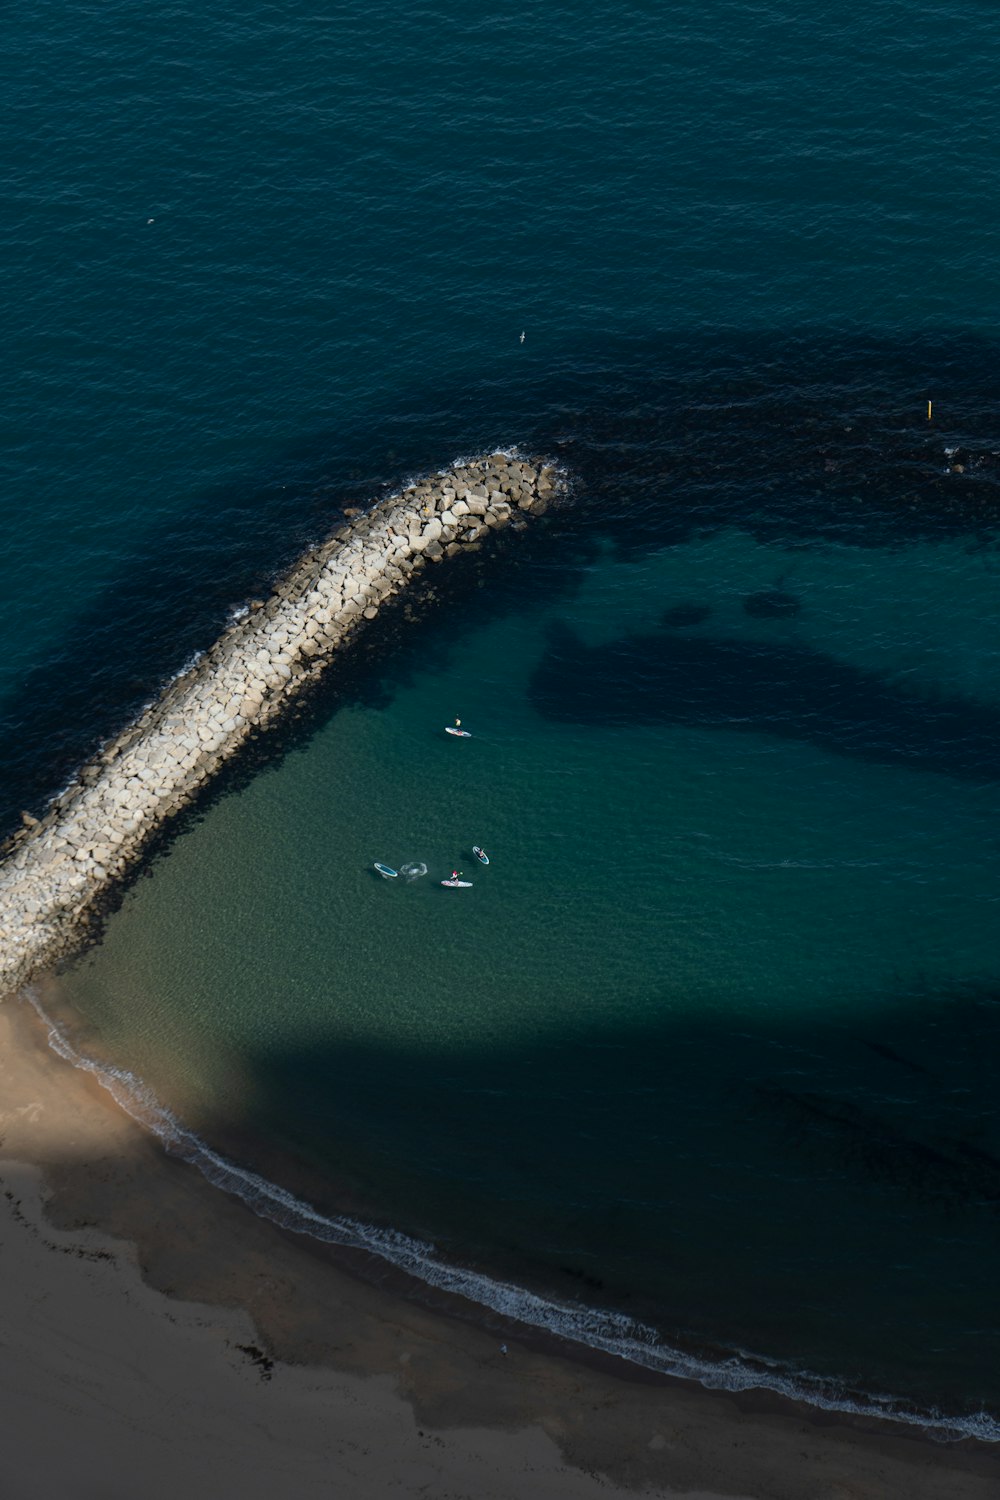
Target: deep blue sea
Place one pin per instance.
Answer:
(705, 1061)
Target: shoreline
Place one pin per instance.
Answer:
(199, 1244)
(554, 1322)
(381, 1275)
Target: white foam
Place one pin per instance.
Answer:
(186, 666)
(610, 1332)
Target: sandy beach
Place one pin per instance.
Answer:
(154, 1326)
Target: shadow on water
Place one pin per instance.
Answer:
(743, 1181)
(797, 439)
(710, 1174)
(838, 1257)
(787, 690)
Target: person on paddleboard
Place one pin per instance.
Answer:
(455, 874)
(458, 723)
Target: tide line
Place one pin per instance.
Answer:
(599, 1329)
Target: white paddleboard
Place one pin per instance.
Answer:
(461, 884)
(462, 734)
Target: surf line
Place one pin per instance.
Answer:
(55, 869)
(613, 1333)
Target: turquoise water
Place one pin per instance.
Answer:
(710, 1041)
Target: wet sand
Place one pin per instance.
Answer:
(156, 1335)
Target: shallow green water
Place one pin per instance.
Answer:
(712, 1040)
(699, 1002)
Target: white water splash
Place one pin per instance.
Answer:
(610, 1332)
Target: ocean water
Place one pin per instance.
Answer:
(708, 1049)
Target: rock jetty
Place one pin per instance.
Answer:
(57, 867)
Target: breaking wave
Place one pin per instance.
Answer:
(610, 1332)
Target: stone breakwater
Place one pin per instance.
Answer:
(56, 868)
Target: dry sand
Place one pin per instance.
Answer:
(159, 1339)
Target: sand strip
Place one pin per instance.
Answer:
(142, 1309)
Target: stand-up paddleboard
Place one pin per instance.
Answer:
(458, 884)
(480, 854)
(386, 871)
(462, 734)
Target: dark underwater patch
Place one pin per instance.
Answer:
(712, 682)
(952, 1174)
(889, 1054)
(797, 439)
(772, 604)
(677, 616)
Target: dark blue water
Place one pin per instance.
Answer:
(712, 1045)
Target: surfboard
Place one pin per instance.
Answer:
(462, 734)
(459, 884)
(386, 871)
(480, 854)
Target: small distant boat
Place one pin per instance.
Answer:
(386, 871)
(462, 734)
(480, 854)
(458, 884)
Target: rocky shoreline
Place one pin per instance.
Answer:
(55, 869)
